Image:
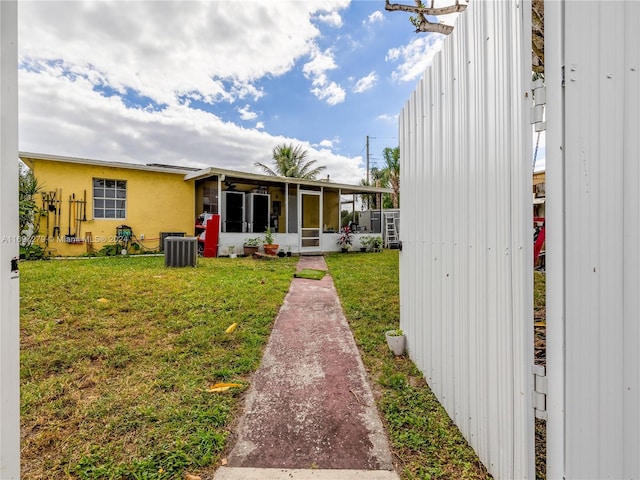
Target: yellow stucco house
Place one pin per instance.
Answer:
(92, 203)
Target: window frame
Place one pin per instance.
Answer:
(109, 196)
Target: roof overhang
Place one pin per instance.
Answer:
(28, 158)
(234, 175)
(193, 174)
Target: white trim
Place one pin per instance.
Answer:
(300, 213)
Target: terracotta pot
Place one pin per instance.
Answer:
(271, 248)
(249, 250)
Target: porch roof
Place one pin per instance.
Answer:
(234, 175)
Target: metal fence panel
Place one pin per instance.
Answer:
(466, 264)
(598, 402)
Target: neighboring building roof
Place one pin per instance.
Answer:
(190, 173)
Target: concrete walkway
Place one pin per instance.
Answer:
(310, 412)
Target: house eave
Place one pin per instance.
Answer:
(29, 157)
(270, 179)
(345, 189)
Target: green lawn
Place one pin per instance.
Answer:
(425, 443)
(118, 355)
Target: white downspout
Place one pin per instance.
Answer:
(9, 250)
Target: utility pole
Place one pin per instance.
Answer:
(367, 159)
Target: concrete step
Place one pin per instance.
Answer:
(247, 473)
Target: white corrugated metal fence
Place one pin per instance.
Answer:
(593, 232)
(466, 260)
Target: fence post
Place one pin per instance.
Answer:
(9, 251)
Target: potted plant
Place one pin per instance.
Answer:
(230, 249)
(345, 240)
(376, 244)
(395, 340)
(251, 245)
(288, 250)
(270, 248)
(365, 243)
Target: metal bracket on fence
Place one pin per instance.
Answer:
(540, 390)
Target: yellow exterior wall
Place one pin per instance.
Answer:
(156, 202)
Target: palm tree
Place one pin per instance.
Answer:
(392, 172)
(291, 162)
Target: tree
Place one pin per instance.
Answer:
(386, 177)
(376, 180)
(392, 173)
(423, 24)
(28, 211)
(420, 21)
(291, 162)
(537, 41)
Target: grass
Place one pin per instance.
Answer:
(540, 317)
(310, 274)
(117, 355)
(425, 443)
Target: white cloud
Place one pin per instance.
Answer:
(83, 61)
(365, 83)
(316, 69)
(149, 49)
(319, 64)
(328, 144)
(333, 18)
(331, 92)
(376, 16)
(246, 113)
(388, 118)
(415, 57)
(142, 136)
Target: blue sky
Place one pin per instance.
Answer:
(217, 83)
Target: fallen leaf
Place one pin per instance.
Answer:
(218, 389)
(103, 300)
(223, 462)
(223, 387)
(188, 476)
(231, 328)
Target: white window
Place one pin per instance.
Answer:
(109, 198)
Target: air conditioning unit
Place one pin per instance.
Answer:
(164, 235)
(180, 251)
